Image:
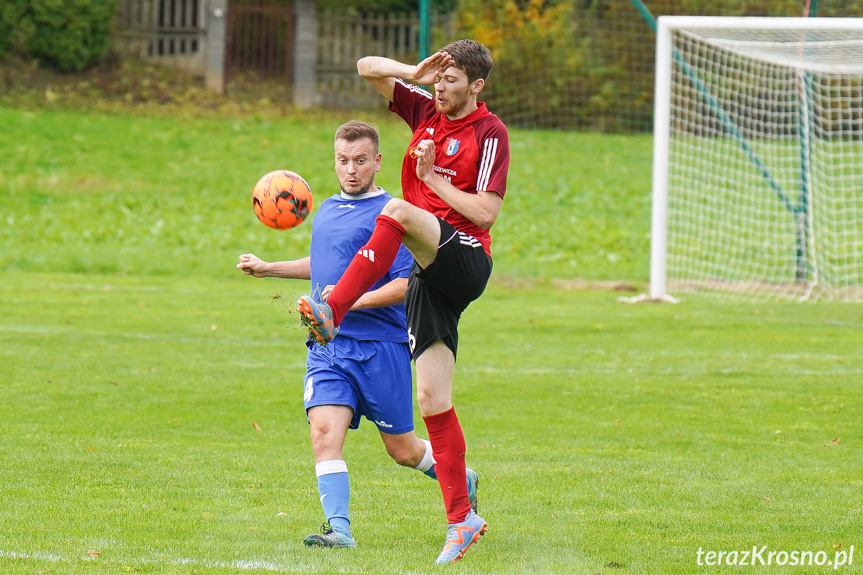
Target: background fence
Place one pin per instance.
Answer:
(161, 27)
(573, 64)
(343, 38)
(260, 37)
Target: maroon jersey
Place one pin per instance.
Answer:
(472, 153)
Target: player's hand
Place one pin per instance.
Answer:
(425, 154)
(326, 293)
(429, 71)
(252, 265)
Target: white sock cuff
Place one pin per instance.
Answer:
(428, 458)
(330, 467)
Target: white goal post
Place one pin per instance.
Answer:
(758, 158)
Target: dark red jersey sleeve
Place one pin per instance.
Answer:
(412, 103)
(492, 141)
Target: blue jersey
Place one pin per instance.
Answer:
(340, 228)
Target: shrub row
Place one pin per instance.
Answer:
(65, 35)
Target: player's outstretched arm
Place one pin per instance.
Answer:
(382, 72)
(252, 265)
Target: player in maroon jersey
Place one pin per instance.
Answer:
(453, 181)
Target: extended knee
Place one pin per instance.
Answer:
(425, 400)
(397, 209)
(431, 403)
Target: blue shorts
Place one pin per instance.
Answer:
(371, 377)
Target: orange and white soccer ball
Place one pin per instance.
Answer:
(282, 199)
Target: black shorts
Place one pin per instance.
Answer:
(437, 296)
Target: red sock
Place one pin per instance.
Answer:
(448, 448)
(369, 265)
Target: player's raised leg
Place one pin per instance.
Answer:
(399, 222)
(422, 230)
(369, 265)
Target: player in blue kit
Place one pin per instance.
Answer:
(365, 370)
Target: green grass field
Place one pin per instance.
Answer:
(89, 193)
(152, 422)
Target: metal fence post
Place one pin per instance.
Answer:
(214, 66)
(305, 55)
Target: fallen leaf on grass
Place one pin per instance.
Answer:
(837, 546)
(767, 499)
(256, 426)
(92, 552)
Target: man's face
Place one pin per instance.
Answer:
(356, 164)
(452, 92)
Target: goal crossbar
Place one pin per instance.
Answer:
(820, 46)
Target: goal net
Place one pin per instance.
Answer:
(758, 158)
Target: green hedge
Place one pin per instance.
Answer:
(65, 35)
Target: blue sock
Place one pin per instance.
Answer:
(335, 491)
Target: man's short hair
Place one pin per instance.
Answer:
(472, 57)
(355, 130)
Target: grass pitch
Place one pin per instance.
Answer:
(152, 420)
(155, 425)
(90, 193)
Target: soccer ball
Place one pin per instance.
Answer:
(282, 199)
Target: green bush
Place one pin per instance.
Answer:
(65, 35)
(10, 14)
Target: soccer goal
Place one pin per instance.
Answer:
(758, 158)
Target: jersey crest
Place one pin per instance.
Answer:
(452, 146)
